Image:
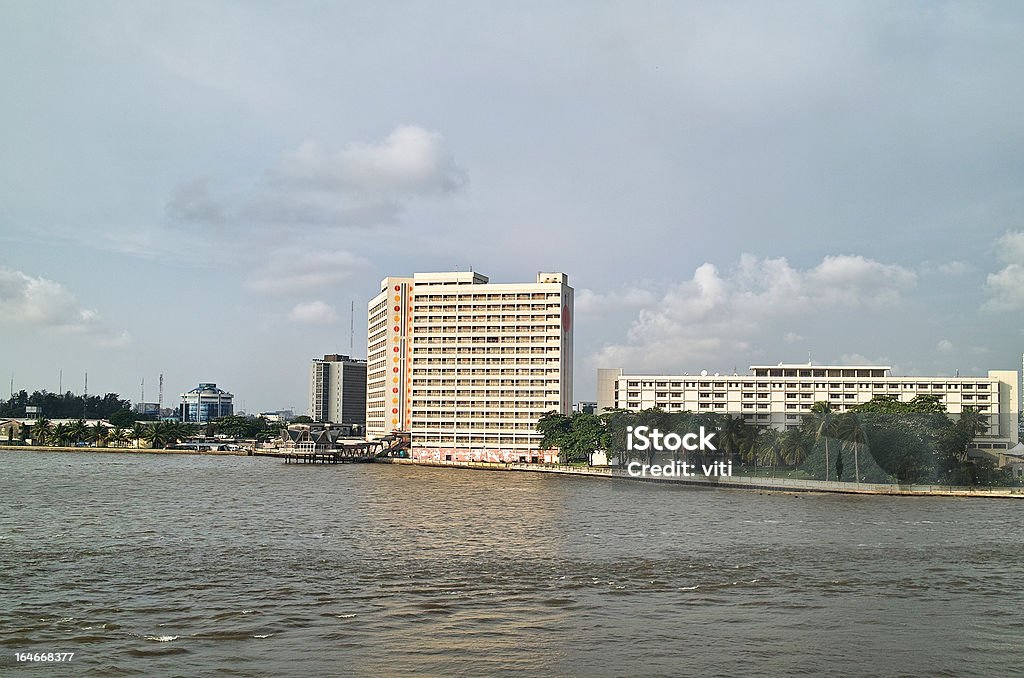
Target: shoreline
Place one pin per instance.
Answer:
(122, 450)
(748, 483)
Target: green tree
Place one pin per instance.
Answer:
(821, 423)
(853, 434)
(41, 430)
(61, 435)
(78, 431)
(138, 433)
(97, 434)
(796, 447)
(123, 418)
(769, 448)
(554, 428)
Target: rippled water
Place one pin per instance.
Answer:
(181, 565)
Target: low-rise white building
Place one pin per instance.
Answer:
(780, 395)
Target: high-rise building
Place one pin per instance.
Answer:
(466, 366)
(337, 390)
(779, 396)
(205, 403)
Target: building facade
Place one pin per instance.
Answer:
(337, 390)
(467, 366)
(205, 403)
(780, 395)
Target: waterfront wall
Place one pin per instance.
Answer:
(738, 482)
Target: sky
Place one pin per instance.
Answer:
(204, 190)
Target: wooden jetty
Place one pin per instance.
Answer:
(347, 453)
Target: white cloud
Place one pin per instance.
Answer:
(313, 313)
(714, 316)
(792, 338)
(1010, 247)
(1006, 288)
(954, 268)
(361, 185)
(410, 160)
(40, 303)
(944, 346)
(294, 269)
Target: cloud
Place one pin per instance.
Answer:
(360, 185)
(293, 269)
(44, 304)
(792, 338)
(313, 313)
(1006, 287)
(944, 346)
(712, 315)
(409, 160)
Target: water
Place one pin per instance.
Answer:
(182, 565)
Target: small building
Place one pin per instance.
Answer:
(205, 403)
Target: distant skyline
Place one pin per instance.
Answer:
(203, 189)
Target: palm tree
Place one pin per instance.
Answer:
(41, 430)
(78, 431)
(137, 433)
(794, 447)
(851, 431)
(97, 434)
(60, 434)
(821, 423)
(974, 422)
(769, 448)
(732, 436)
(116, 437)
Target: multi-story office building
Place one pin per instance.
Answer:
(337, 390)
(466, 366)
(205, 403)
(779, 395)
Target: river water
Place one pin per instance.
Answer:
(185, 565)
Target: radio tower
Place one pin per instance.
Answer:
(160, 401)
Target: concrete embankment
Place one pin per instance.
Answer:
(120, 450)
(759, 484)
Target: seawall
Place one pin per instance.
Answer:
(782, 485)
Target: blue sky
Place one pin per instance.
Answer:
(203, 189)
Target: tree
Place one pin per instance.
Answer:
(839, 465)
(117, 437)
(821, 423)
(137, 433)
(796, 447)
(123, 418)
(78, 431)
(853, 434)
(303, 419)
(97, 434)
(554, 429)
(60, 435)
(769, 448)
(41, 430)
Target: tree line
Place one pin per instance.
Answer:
(884, 440)
(63, 405)
(158, 434)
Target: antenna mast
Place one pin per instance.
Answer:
(160, 402)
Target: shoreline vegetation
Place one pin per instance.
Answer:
(122, 450)
(884, 441)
